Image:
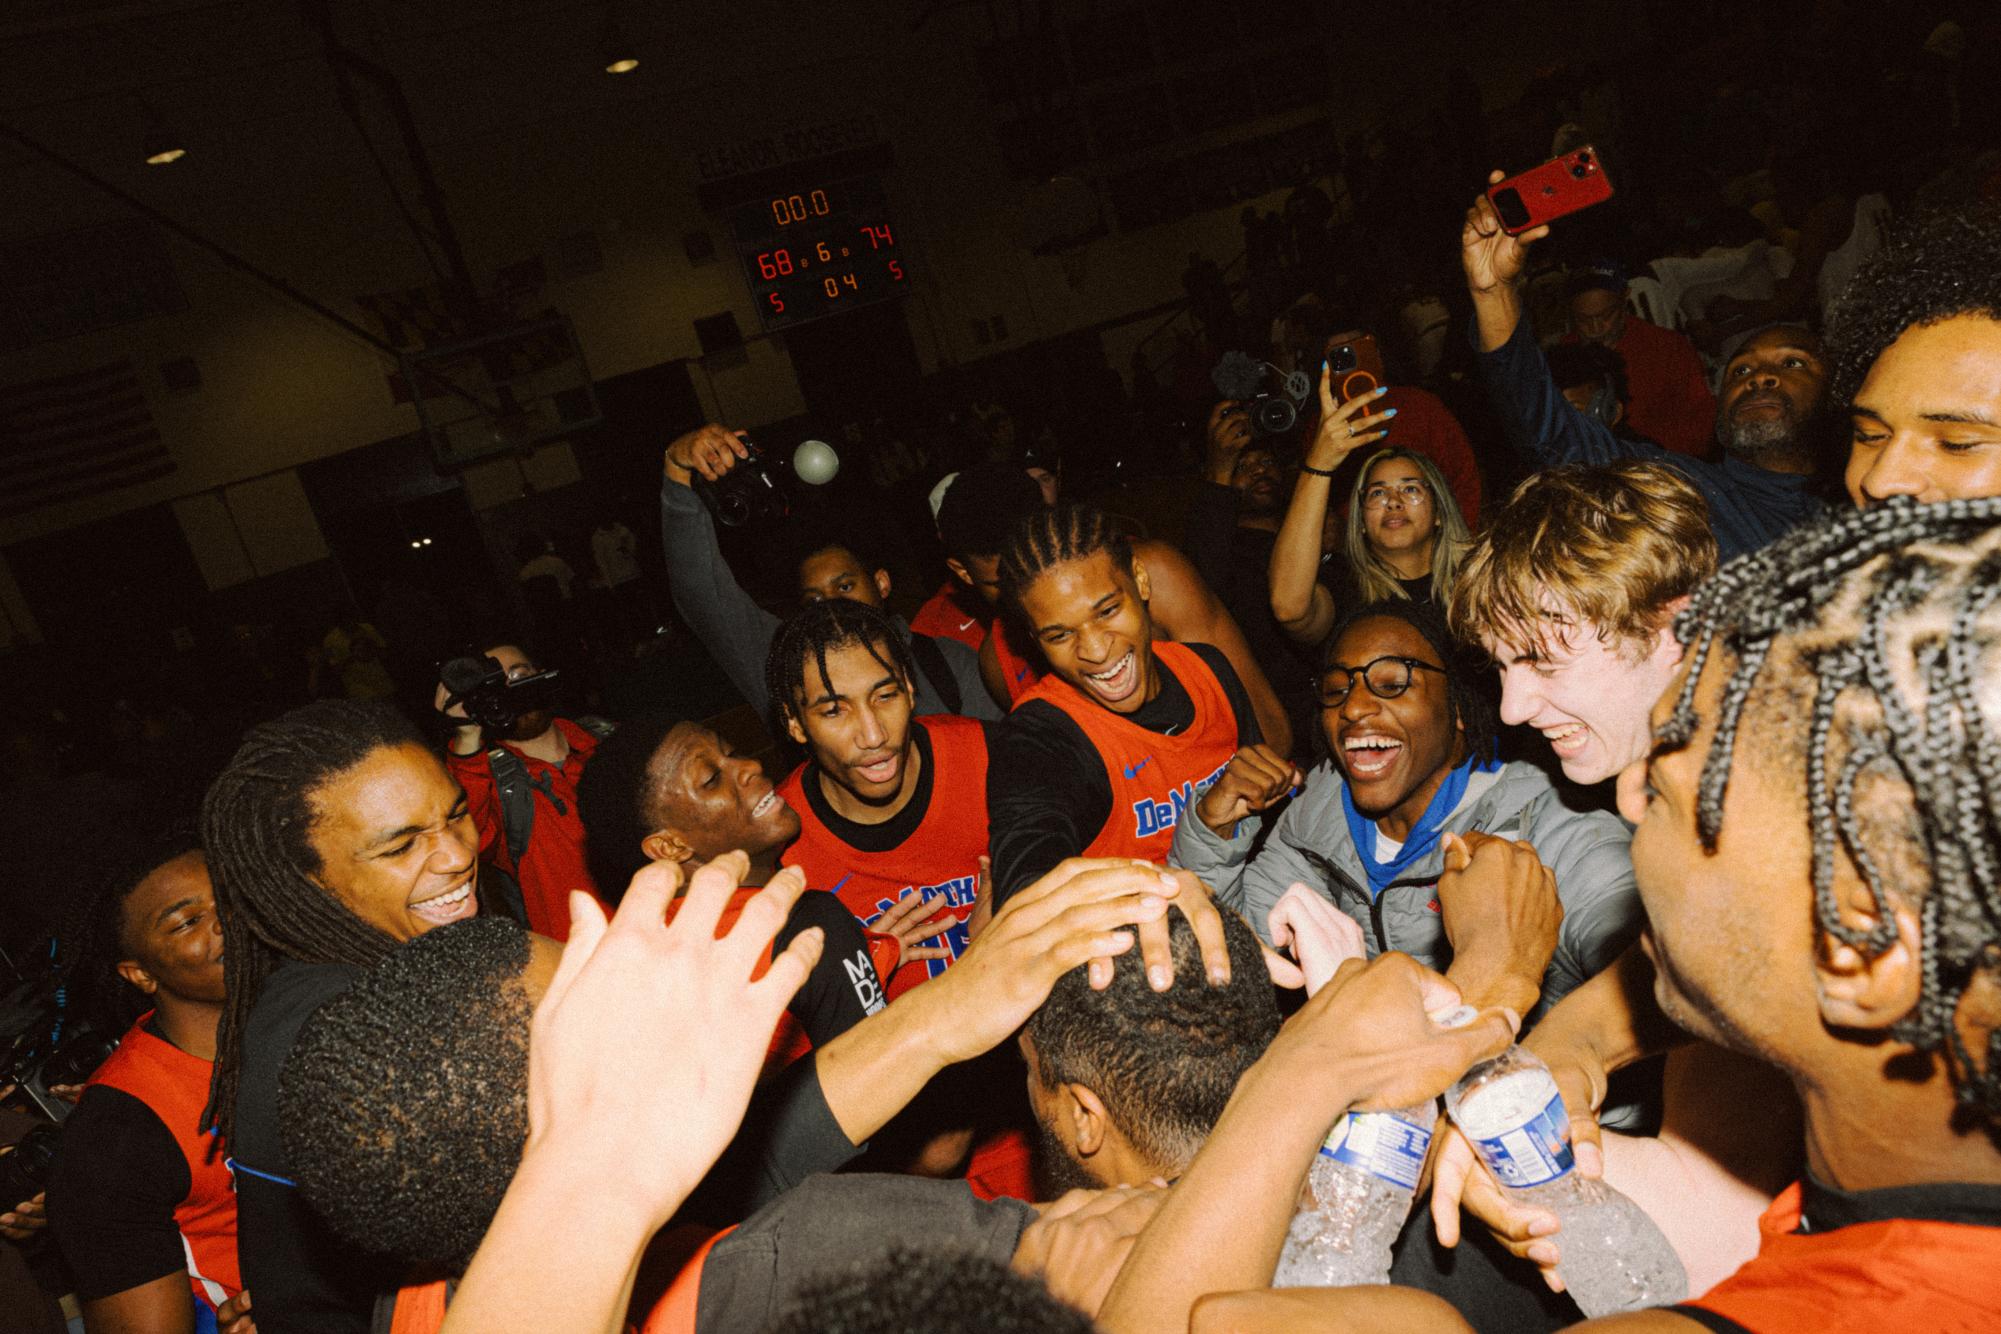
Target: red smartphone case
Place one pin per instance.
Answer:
(1559, 187)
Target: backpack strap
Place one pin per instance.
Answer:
(597, 727)
(517, 800)
(931, 664)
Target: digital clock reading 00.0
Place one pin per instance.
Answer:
(818, 251)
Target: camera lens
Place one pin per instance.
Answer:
(24, 1170)
(1274, 416)
(732, 508)
(1341, 358)
(1581, 170)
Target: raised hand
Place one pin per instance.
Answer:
(1345, 427)
(1492, 258)
(912, 921)
(1500, 911)
(1229, 431)
(708, 450)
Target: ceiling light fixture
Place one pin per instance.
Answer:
(160, 145)
(618, 52)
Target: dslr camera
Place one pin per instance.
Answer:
(748, 492)
(1272, 397)
(39, 1049)
(490, 698)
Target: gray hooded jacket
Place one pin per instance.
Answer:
(1587, 851)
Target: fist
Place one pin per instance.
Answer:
(1256, 777)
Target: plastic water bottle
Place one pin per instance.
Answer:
(1358, 1195)
(1614, 1258)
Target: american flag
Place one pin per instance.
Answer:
(76, 435)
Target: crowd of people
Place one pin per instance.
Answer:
(1101, 889)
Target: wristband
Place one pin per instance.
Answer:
(1318, 472)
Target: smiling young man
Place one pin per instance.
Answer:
(669, 791)
(889, 805)
(1916, 353)
(1413, 742)
(1107, 752)
(1767, 414)
(1572, 590)
(140, 1204)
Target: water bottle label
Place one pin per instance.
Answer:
(1380, 1144)
(1532, 1153)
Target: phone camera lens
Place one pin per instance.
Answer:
(1581, 170)
(1341, 359)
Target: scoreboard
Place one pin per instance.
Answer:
(817, 250)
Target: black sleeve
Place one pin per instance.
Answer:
(1047, 796)
(117, 1178)
(1209, 534)
(788, 1134)
(1721, 1324)
(842, 990)
(1248, 731)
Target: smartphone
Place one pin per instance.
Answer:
(1559, 187)
(1354, 365)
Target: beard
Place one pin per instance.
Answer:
(1055, 1170)
(1783, 432)
(531, 725)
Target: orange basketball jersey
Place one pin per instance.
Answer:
(939, 859)
(1154, 778)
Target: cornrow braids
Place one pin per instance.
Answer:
(810, 635)
(1047, 538)
(256, 824)
(1881, 626)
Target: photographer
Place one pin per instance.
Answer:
(140, 1204)
(738, 632)
(519, 765)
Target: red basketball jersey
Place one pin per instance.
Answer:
(953, 612)
(939, 859)
(175, 1085)
(1154, 778)
(1022, 676)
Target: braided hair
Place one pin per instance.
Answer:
(1881, 631)
(817, 630)
(1465, 675)
(256, 823)
(1046, 538)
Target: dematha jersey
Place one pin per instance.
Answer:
(939, 859)
(175, 1085)
(1154, 777)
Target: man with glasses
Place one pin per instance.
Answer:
(1413, 763)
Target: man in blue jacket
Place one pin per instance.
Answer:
(1768, 407)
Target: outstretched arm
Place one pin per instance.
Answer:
(736, 631)
(1300, 603)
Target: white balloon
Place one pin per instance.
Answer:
(816, 462)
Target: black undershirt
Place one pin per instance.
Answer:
(119, 1175)
(892, 833)
(1047, 793)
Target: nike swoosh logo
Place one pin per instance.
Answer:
(1132, 770)
(967, 625)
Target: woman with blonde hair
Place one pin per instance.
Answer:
(1405, 534)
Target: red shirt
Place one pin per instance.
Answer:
(1154, 778)
(554, 863)
(939, 858)
(1424, 425)
(175, 1085)
(1020, 673)
(1667, 394)
(1868, 1273)
(953, 612)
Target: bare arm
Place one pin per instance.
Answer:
(1186, 611)
(1300, 603)
(1493, 261)
(1363, 1040)
(1369, 1309)
(163, 1306)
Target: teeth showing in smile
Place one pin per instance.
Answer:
(1112, 670)
(446, 904)
(1567, 737)
(1368, 756)
(763, 807)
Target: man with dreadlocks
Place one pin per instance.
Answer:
(1105, 754)
(891, 807)
(333, 835)
(139, 1203)
(1916, 353)
(1827, 900)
